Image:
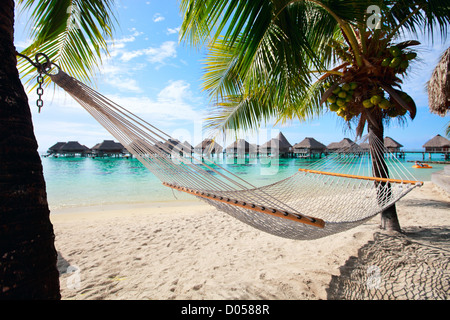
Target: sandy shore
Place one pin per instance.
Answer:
(189, 250)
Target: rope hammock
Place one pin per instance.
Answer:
(333, 195)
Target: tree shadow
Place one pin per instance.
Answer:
(412, 265)
(424, 204)
(62, 264)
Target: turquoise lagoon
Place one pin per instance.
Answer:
(78, 181)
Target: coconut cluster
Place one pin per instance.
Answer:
(346, 98)
(341, 98)
(396, 59)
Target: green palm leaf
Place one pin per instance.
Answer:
(72, 33)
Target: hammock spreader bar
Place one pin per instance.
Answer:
(281, 214)
(418, 183)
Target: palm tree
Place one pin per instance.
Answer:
(75, 39)
(297, 59)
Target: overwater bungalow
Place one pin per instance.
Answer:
(170, 144)
(208, 147)
(73, 148)
(365, 146)
(392, 145)
(108, 148)
(241, 147)
(437, 144)
(277, 146)
(55, 148)
(346, 145)
(184, 148)
(308, 148)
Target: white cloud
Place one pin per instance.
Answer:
(173, 103)
(154, 55)
(176, 91)
(124, 84)
(173, 30)
(158, 17)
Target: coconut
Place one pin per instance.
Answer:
(411, 55)
(384, 104)
(340, 102)
(332, 99)
(395, 62)
(385, 62)
(346, 87)
(395, 51)
(334, 107)
(376, 99)
(337, 90)
(367, 104)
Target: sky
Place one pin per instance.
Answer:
(154, 75)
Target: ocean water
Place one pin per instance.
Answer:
(78, 181)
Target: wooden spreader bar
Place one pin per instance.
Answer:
(281, 214)
(361, 177)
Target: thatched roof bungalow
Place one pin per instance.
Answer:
(241, 146)
(277, 145)
(346, 145)
(72, 148)
(365, 146)
(208, 146)
(55, 148)
(108, 148)
(186, 147)
(437, 144)
(309, 146)
(172, 144)
(392, 145)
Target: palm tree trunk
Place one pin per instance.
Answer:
(389, 219)
(27, 251)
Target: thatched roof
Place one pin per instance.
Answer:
(186, 147)
(241, 145)
(365, 146)
(439, 86)
(345, 145)
(56, 146)
(209, 146)
(170, 143)
(391, 143)
(279, 141)
(108, 146)
(73, 146)
(309, 143)
(437, 142)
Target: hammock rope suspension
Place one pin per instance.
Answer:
(337, 193)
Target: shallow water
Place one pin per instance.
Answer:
(78, 181)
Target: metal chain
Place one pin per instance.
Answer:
(42, 68)
(40, 92)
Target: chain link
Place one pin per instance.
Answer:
(40, 92)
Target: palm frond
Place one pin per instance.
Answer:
(72, 33)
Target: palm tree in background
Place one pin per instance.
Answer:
(73, 34)
(297, 59)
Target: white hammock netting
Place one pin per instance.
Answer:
(335, 194)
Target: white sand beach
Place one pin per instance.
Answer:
(189, 250)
